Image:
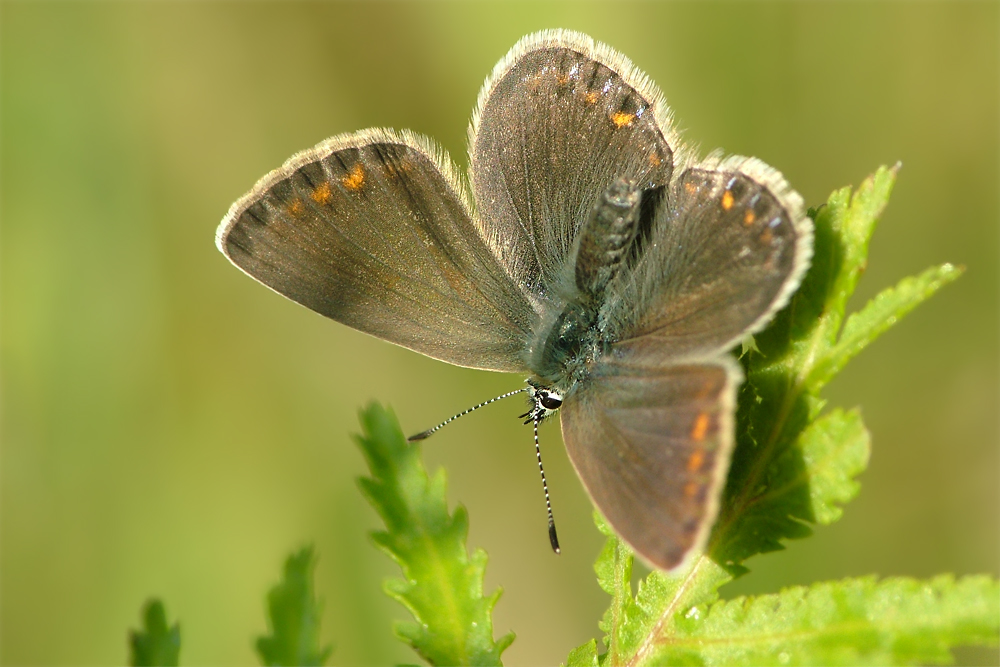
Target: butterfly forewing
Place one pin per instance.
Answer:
(731, 243)
(371, 230)
(652, 447)
(558, 121)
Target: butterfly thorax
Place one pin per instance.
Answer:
(574, 340)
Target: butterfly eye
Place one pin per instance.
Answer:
(549, 401)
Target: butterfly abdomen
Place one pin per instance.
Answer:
(606, 238)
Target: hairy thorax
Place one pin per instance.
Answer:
(567, 346)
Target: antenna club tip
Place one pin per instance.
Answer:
(554, 539)
(419, 436)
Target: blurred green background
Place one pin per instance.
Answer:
(171, 428)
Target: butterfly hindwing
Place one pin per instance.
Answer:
(371, 230)
(652, 446)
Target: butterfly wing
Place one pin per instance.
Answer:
(728, 248)
(652, 446)
(372, 230)
(560, 118)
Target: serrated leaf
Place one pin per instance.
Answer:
(807, 483)
(851, 622)
(442, 586)
(294, 617)
(676, 620)
(156, 643)
(583, 656)
(776, 487)
(631, 623)
(878, 315)
(835, 448)
(614, 575)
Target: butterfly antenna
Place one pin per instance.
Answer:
(553, 538)
(431, 431)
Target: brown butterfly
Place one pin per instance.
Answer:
(591, 251)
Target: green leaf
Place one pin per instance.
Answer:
(155, 644)
(835, 448)
(442, 586)
(850, 622)
(631, 624)
(583, 656)
(677, 620)
(878, 315)
(791, 467)
(614, 576)
(294, 615)
(794, 466)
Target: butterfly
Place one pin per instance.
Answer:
(588, 248)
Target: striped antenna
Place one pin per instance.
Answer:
(553, 538)
(431, 431)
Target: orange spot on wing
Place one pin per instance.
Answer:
(727, 200)
(321, 194)
(591, 97)
(690, 489)
(295, 207)
(749, 218)
(355, 179)
(562, 79)
(696, 460)
(766, 236)
(691, 188)
(621, 119)
(655, 159)
(700, 428)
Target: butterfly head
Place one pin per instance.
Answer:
(544, 402)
